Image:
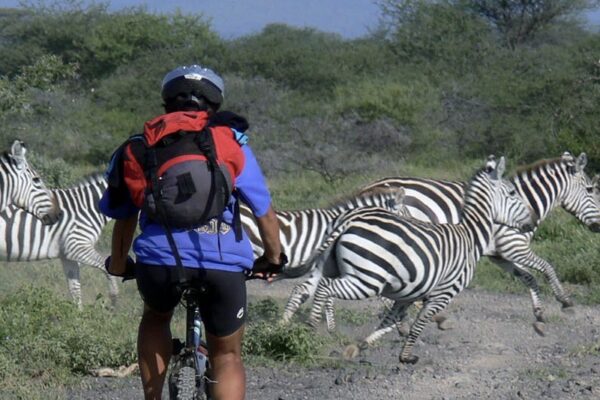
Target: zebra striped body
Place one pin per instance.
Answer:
(21, 187)
(302, 231)
(71, 239)
(381, 254)
(544, 185)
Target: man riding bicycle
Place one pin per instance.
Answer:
(215, 255)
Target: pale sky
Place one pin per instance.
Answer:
(234, 18)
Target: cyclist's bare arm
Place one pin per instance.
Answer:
(268, 228)
(122, 237)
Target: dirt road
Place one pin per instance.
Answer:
(492, 352)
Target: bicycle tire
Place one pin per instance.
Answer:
(182, 385)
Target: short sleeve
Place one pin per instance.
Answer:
(252, 186)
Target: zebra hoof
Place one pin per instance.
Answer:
(351, 351)
(568, 306)
(444, 325)
(539, 328)
(539, 316)
(409, 359)
(404, 329)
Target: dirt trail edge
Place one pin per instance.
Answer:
(491, 352)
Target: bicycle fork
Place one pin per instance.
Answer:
(194, 340)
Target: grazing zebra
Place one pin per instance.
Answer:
(21, 186)
(544, 185)
(378, 253)
(71, 239)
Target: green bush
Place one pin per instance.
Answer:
(266, 339)
(44, 339)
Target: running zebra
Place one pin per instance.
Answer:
(71, 239)
(378, 253)
(544, 185)
(301, 232)
(21, 186)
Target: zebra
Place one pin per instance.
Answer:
(302, 231)
(22, 187)
(378, 253)
(71, 239)
(545, 185)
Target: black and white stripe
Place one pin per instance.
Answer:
(544, 185)
(21, 186)
(302, 231)
(378, 253)
(71, 239)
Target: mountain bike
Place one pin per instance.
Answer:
(188, 379)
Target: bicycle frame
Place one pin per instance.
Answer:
(187, 379)
(193, 335)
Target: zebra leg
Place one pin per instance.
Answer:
(529, 280)
(85, 253)
(346, 288)
(527, 258)
(539, 264)
(393, 317)
(300, 293)
(71, 270)
(440, 319)
(330, 314)
(431, 307)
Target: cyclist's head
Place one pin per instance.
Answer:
(192, 88)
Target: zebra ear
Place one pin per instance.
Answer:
(581, 162)
(17, 153)
(490, 164)
(400, 192)
(501, 168)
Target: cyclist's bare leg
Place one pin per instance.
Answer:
(227, 369)
(154, 351)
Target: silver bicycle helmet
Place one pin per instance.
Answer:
(192, 81)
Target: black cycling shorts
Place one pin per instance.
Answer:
(222, 302)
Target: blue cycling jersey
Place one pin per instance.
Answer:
(201, 247)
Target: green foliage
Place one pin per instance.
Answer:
(264, 309)
(353, 317)
(442, 39)
(44, 339)
(405, 100)
(18, 95)
(266, 338)
(99, 41)
(281, 342)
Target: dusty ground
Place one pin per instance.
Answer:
(492, 352)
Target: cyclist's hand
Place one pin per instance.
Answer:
(129, 272)
(266, 270)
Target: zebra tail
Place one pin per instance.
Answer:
(307, 266)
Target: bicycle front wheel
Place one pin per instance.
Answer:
(183, 385)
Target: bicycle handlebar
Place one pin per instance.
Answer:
(264, 269)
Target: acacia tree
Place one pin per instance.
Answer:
(519, 20)
(516, 21)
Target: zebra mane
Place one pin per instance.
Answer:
(92, 179)
(469, 186)
(373, 191)
(539, 164)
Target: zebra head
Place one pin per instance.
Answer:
(389, 197)
(508, 207)
(23, 188)
(582, 197)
